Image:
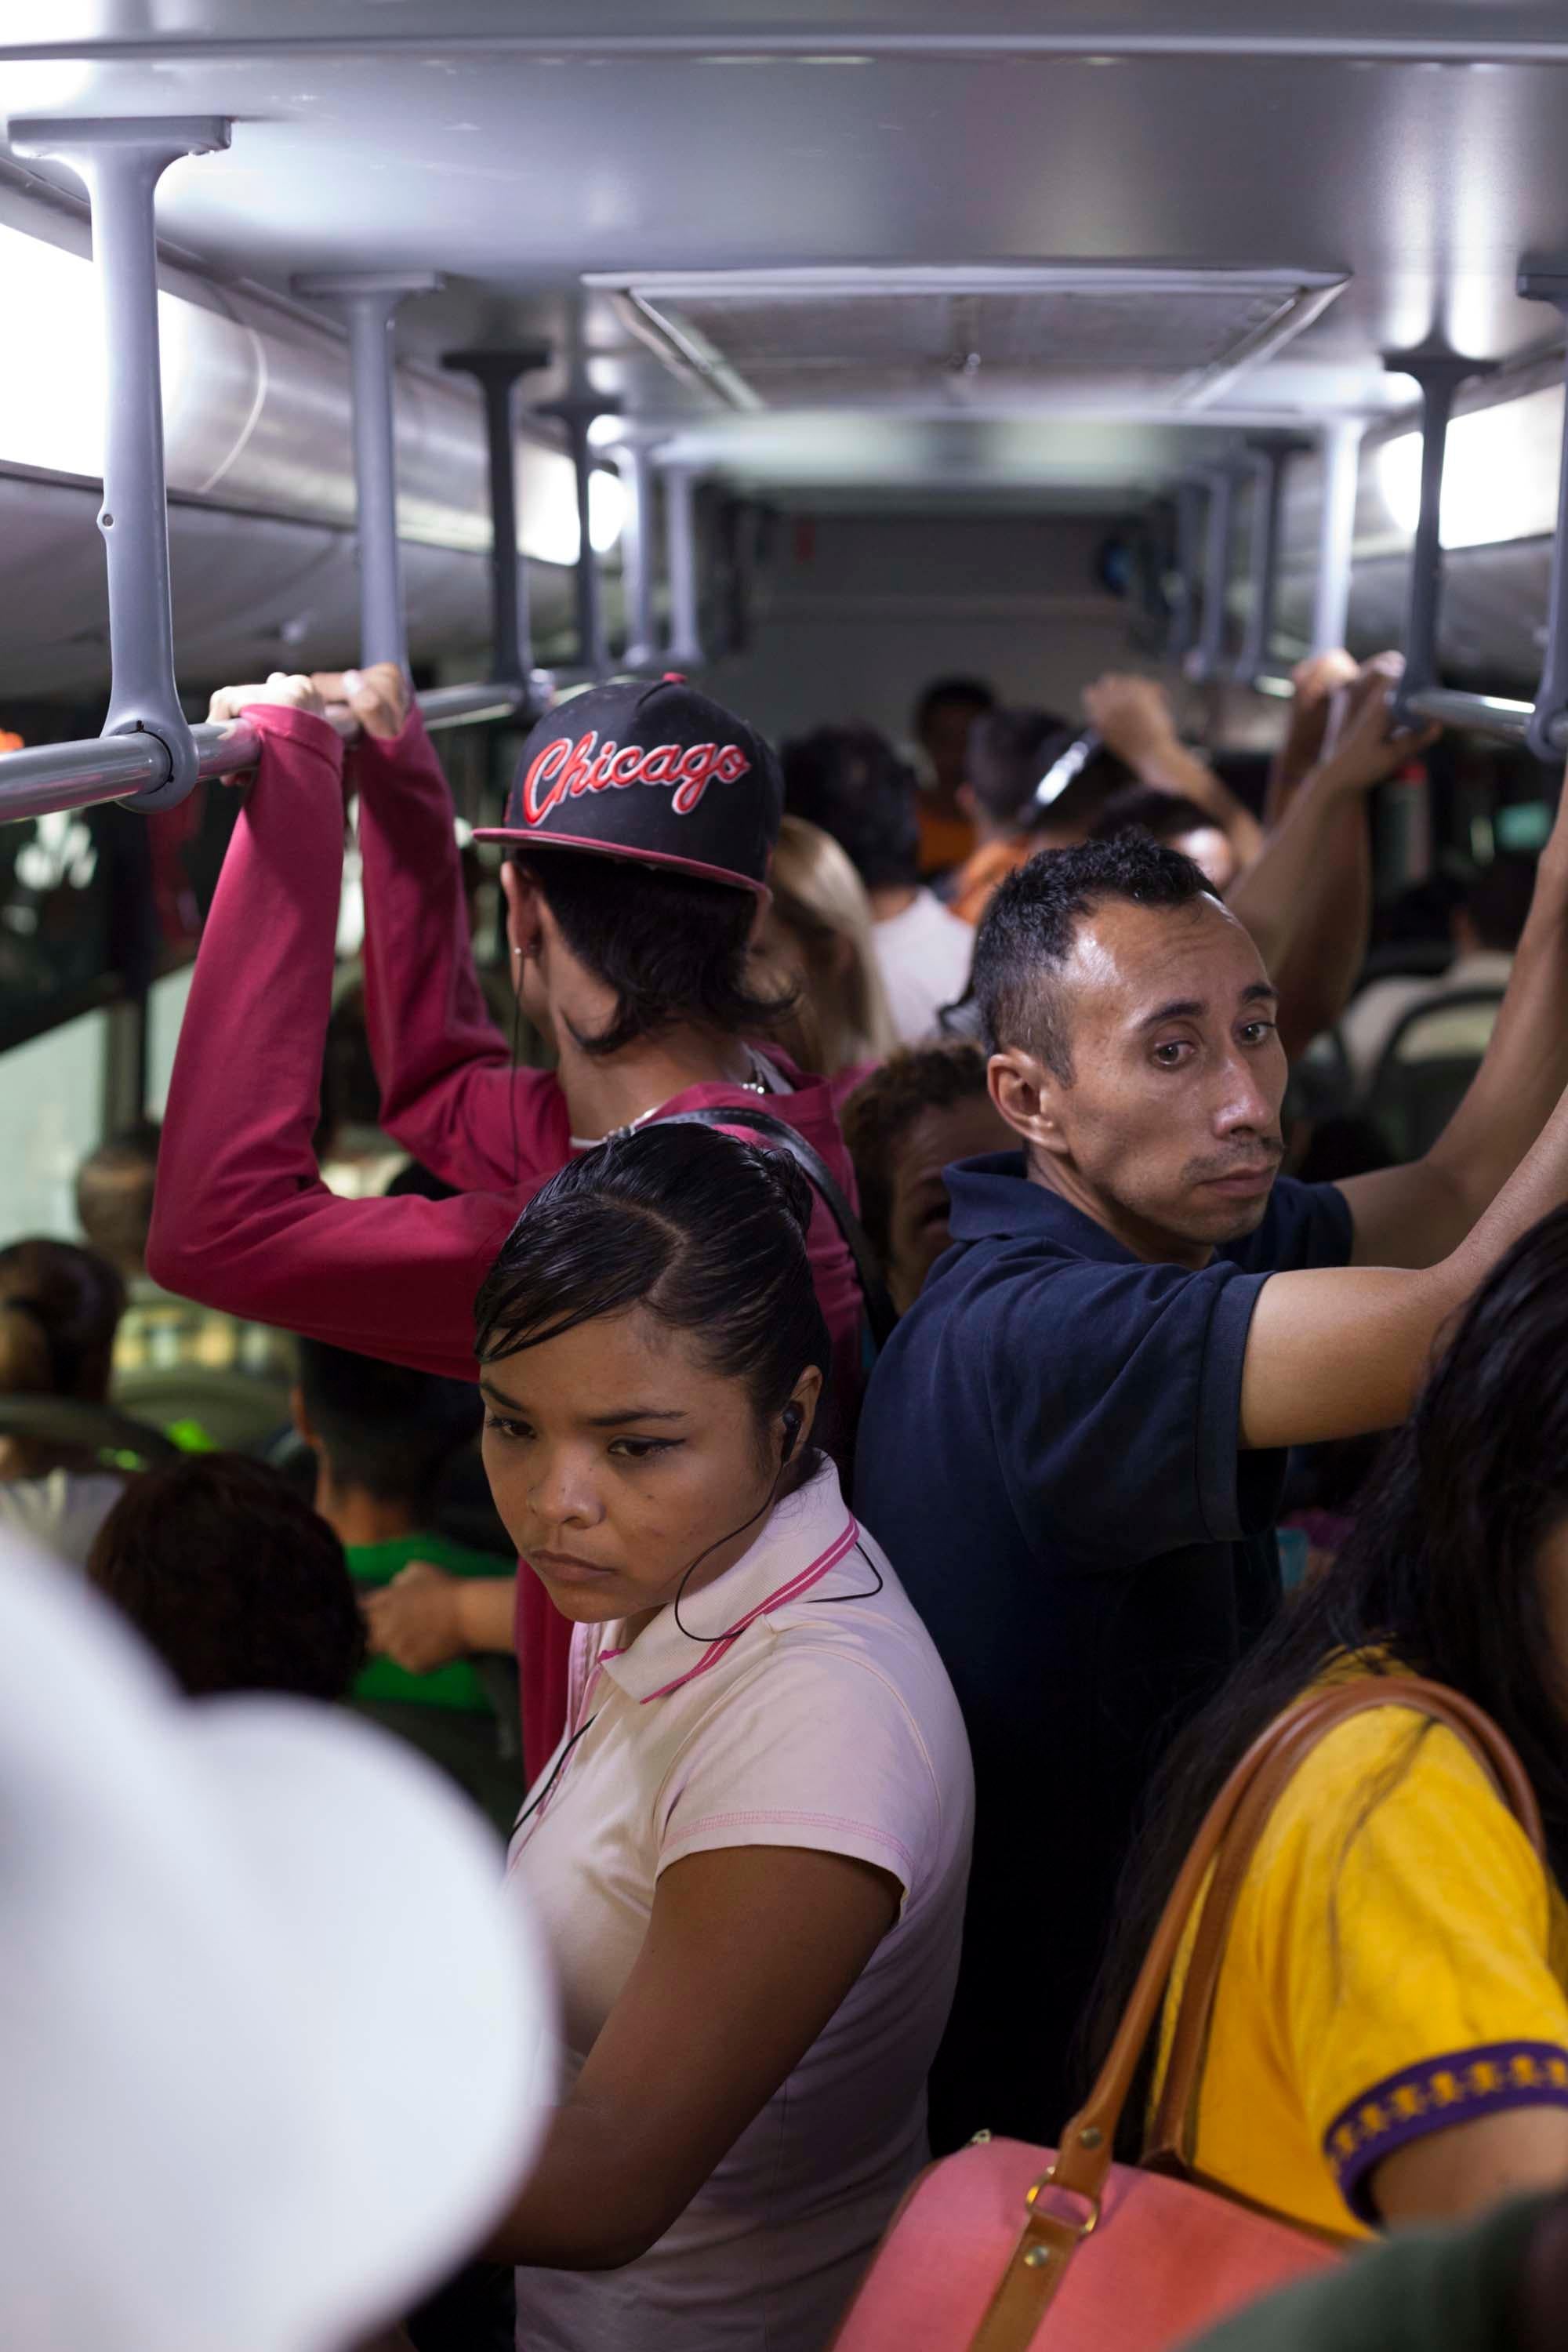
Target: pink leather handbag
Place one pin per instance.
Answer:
(1004, 2247)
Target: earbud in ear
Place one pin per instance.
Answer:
(794, 1420)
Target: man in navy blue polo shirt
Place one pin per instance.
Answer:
(1072, 1447)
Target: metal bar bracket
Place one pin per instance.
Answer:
(368, 300)
(120, 162)
(1439, 374)
(1550, 715)
(1206, 659)
(1270, 454)
(497, 374)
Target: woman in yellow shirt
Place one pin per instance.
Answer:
(1390, 2032)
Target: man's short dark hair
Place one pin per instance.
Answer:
(232, 1579)
(671, 946)
(385, 1428)
(1009, 751)
(851, 782)
(1498, 901)
(882, 1109)
(966, 693)
(1029, 927)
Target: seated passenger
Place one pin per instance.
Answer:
(943, 717)
(1389, 2041)
(749, 1851)
(1485, 929)
(905, 1125)
(630, 913)
(59, 1306)
(205, 1378)
(816, 930)
(381, 1436)
(232, 1578)
(851, 782)
(1074, 1443)
(1173, 818)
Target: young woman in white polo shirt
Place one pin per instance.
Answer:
(750, 1850)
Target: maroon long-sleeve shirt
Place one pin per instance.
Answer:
(243, 1220)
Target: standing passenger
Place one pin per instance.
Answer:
(1073, 1443)
(638, 831)
(749, 1853)
(851, 782)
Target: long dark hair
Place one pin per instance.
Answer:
(1440, 1578)
(705, 1233)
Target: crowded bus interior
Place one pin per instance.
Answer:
(784, 1176)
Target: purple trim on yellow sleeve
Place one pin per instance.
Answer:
(1438, 2093)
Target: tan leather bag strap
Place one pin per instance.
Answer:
(1170, 2139)
(1048, 2239)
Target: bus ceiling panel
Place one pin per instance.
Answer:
(461, 138)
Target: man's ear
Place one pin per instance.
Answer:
(524, 910)
(1029, 1095)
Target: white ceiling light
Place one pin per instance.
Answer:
(52, 384)
(547, 506)
(1500, 473)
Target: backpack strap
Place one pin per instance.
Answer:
(880, 1313)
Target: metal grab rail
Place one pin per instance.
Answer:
(56, 776)
(1488, 714)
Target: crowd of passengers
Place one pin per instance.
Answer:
(849, 1711)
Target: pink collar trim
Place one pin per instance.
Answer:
(801, 1582)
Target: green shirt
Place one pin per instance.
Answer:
(456, 1684)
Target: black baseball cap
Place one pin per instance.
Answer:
(655, 772)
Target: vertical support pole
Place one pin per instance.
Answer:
(1341, 441)
(1548, 726)
(685, 650)
(576, 409)
(635, 458)
(497, 372)
(1183, 630)
(1207, 657)
(1440, 375)
(1269, 458)
(368, 300)
(120, 163)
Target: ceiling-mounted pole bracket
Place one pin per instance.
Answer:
(1342, 440)
(1549, 723)
(497, 374)
(634, 456)
(1269, 454)
(685, 649)
(1439, 374)
(1184, 594)
(1206, 659)
(368, 300)
(576, 410)
(121, 162)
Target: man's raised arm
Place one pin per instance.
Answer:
(242, 1219)
(1333, 1353)
(449, 1093)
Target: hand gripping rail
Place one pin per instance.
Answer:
(118, 767)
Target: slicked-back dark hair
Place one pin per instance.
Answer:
(1164, 817)
(1027, 934)
(704, 1232)
(671, 946)
(851, 782)
(1441, 1576)
(386, 1429)
(968, 693)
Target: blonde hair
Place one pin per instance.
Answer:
(820, 898)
